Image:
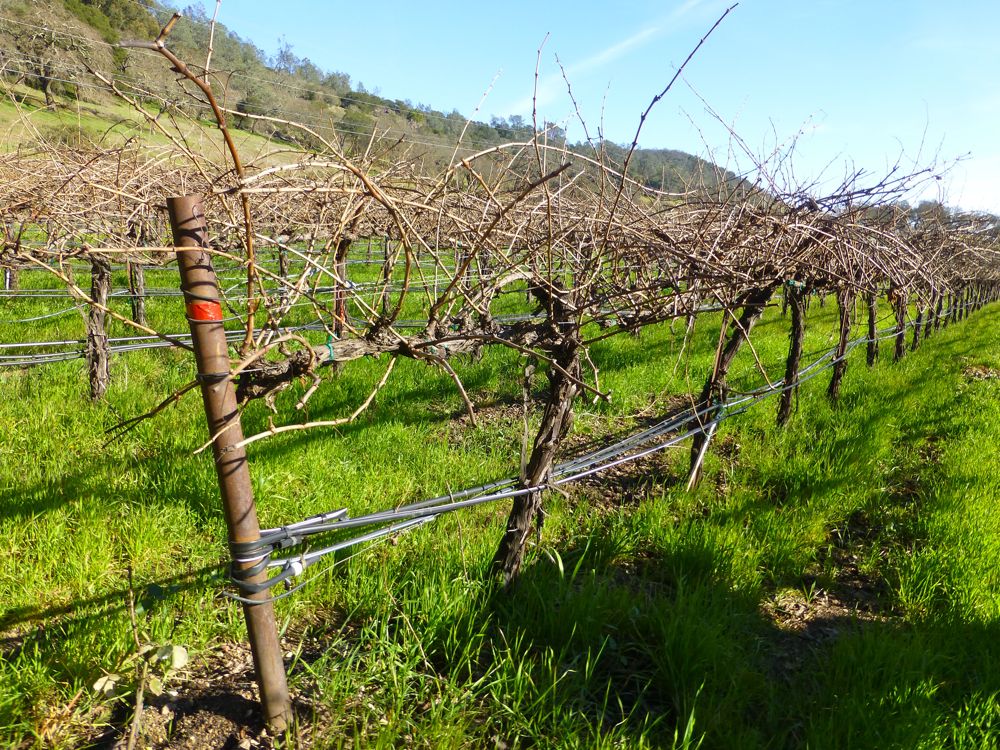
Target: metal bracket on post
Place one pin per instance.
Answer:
(204, 314)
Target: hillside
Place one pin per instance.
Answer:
(48, 50)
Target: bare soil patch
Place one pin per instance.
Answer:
(979, 372)
(492, 413)
(633, 480)
(215, 705)
(812, 617)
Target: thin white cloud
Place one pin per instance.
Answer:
(548, 88)
(686, 8)
(639, 39)
(619, 49)
(551, 85)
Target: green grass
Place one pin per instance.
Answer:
(646, 622)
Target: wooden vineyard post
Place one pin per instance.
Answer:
(204, 314)
(97, 351)
(137, 291)
(872, 302)
(341, 286)
(387, 275)
(10, 277)
(283, 273)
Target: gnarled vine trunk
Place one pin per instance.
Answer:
(556, 422)
(714, 388)
(898, 300)
(845, 301)
(794, 301)
(918, 325)
(929, 319)
(96, 352)
(872, 301)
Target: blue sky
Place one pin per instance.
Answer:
(861, 83)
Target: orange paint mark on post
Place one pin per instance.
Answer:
(210, 310)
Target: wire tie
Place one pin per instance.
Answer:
(329, 345)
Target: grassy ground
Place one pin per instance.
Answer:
(830, 585)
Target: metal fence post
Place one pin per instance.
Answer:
(204, 313)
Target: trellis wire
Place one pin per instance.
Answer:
(409, 516)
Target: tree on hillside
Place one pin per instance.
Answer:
(126, 16)
(44, 49)
(285, 60)
(356, 128)
(339, 82)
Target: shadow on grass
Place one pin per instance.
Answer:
(148, 596)
(87, 481)
(815, 457)
(888, 683)
(605, 641)
(638, 640)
